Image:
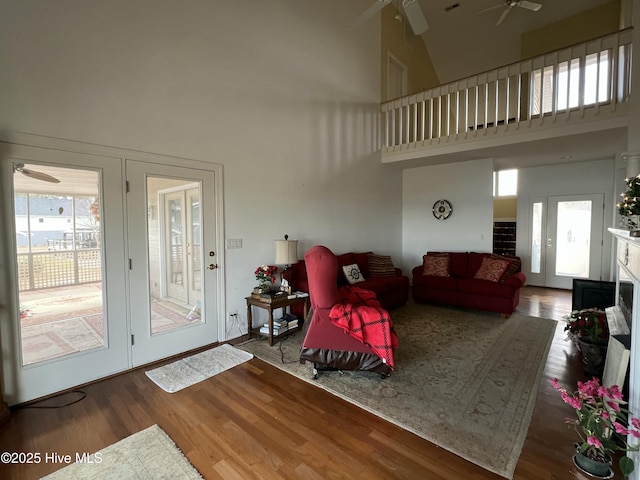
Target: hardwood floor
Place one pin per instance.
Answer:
(255, 421)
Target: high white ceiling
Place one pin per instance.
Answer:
(463, 42)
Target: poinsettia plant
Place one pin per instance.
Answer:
(590, 323)
(602, 422)
(266, 274)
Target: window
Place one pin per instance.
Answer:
(505, 183)
(596, 87)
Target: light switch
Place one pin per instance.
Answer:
(234, 243)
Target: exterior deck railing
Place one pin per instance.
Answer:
(578, 83)
(58, 268)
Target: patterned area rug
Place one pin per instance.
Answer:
(196, 368)
(464, 380)
(146, 455)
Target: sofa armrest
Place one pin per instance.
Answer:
(417, 271)
(515, 280)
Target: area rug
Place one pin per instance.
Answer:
(196, 368)
(464, 380)
(146, 455)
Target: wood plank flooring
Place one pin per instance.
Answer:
(254, 421)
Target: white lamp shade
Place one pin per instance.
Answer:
(286, 252)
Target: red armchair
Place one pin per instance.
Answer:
(324, 343)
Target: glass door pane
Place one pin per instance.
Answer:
(175, 307)
(573, 238)
(174, 252)
(59, 260)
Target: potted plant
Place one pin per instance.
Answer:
(589, 330)
(266, 275)
(603, 425)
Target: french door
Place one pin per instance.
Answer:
(99, 280)
(69, 325)
(566, 239)
(173, 259)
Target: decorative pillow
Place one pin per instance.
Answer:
(436, 265)
(492, 269)
(352, 272)
(514, 266)
(381, 266)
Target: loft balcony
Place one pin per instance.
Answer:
(577, 90)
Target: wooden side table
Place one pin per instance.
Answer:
(271, 304)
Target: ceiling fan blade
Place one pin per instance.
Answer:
(533, 6)
(415, 16)
(39, 176)
(19, 167)
(500, 5)
(371, 11)
(504, 15)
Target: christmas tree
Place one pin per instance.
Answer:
(629, 207)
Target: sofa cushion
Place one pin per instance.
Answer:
(457, 262)
(492, 268)
(362, 259)
(484, 287)
(381, 266)
(436, 265)
(439, 283)
(376, 285)
(352, 273)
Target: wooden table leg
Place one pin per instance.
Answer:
(249, 319)
(270, 325)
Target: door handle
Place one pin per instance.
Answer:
(212, 266)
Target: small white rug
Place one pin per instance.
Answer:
(196, 368)
(146, 455)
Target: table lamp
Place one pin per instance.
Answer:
(286, 252)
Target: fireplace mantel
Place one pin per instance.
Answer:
(628, 268)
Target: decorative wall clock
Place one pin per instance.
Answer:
(442, 209)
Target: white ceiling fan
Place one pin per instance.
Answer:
(19, 167)
(508, 6)
(412, 10)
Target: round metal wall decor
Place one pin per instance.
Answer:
(442, 209)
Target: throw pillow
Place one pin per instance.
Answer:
(492, 269)
(381, 266)
(352, 272)
(436, 265)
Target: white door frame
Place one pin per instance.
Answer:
(10, 142)
(150, 346)
(24, 383)
(548, 251)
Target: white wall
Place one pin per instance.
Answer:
(469, 188)
(566, 179)
(284, 94)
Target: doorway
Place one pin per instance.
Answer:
(91, 288)
(566, 239)
(176, 302)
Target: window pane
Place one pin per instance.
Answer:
(507, 183)
(536, 237)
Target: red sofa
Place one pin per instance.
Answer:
(482, 281)
(391, 287)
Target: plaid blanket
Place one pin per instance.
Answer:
(359, 314)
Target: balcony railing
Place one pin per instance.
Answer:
(578, 83)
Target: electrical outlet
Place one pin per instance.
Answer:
(234, 243)
(233, 313)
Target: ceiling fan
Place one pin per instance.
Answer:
(508, 6)
(19, 167)
(411, 9)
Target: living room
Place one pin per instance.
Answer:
(282, 98)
